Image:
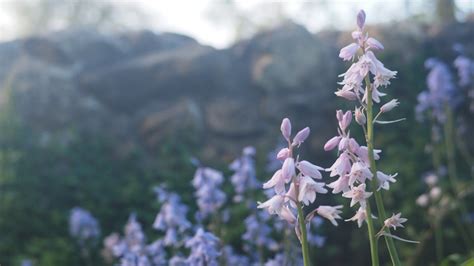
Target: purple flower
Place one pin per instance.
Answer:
(204, 249)
(244, 177)
(83, 226)
(441, 91)
(172, 218)
(132, 249)
(210, 197)
(465, 68)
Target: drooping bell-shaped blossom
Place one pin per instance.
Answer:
(274, 205)
(360, 217)
(347, 53)
(83, 226)
(244, 177)
(204, 249)
(340, 185)
(357, 194)
(308, 189)
(172, 218)
(359, 172)
(389, 106)
(330, 212)
(277, 182)
(384, 180)
(395, 221)
(309, 169)
(210, 197)
(341, 166)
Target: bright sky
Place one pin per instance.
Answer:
(191, 17)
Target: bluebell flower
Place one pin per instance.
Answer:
(204, 249)
(172, 218)
(210, 197)
(83, 226)
(244, 177)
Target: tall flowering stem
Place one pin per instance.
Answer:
(356, 164)
(378, 197)
(294, 186)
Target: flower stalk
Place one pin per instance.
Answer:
(378, 197)
(304, 238)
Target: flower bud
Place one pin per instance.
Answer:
(301, 136)
(283, 154)
(345, 120)
(288, 169)
(374, 44)
(359, 117)
(332, 143)
(339, 115)
(286, 128)
(389, 106)
(361, 19)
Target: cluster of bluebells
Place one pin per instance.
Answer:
(440, 93)
(295, 183)
(352, 166)
(443, 90)
(465, 68)
(83, 226)
(258, 234)
(132, 249)
(183, 243)
(172, 218)
(210, 197)
(245, 176)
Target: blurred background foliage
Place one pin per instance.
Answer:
(41, 180)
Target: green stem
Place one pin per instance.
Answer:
(438, 241)
(372, 239)
(452, 170)
(304, 240)
(448, 137)
(378, 197)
